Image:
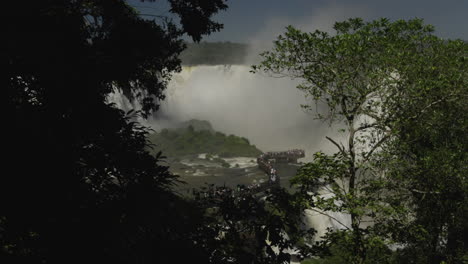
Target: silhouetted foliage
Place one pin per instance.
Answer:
(253, 230)
(79, 185)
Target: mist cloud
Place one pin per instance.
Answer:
(264, 109)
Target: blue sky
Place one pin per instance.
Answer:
(249, 20)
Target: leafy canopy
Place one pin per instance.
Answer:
(79, 185)
(377, 80)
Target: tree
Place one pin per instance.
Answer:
(367, 77)
(78, 183)
(430, 146)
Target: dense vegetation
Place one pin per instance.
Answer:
(79, 185)
(401, 95)
(214, 53)
(198, 137)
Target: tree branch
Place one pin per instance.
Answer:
(429, 106)
(381, 141)
(342, 150)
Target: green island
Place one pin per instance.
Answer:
(196, 137)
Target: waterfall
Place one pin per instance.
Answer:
(264, 109)
(320, 220)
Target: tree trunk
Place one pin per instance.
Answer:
(359, 250)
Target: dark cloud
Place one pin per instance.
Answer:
(244, 19)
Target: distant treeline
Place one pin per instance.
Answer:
(214, 53)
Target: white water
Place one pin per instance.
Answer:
(234, 162)
(241, 162)
(320, 221)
